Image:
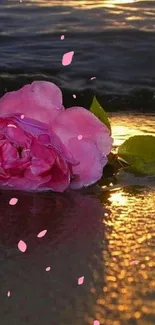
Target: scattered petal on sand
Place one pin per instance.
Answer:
(22, 246)
(92, 78)
(74, 95)
(8, 294)
(81, 280)
(48, 268)
(96, 322)
(67, 58)
(13, 201)
(62, 37)
(42, 233)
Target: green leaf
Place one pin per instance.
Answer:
(139, 152)
(99, 112)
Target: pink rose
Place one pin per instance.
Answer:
(43, 146)
(31, 157)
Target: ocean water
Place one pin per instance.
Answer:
(113, 41)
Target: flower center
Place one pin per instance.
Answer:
(20, 149)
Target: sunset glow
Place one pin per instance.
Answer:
(87, 4)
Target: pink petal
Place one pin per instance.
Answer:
(77, 121)
(43, 153)
(62, 37)
(81, 280)
(9, 293)
(39, 166)
(12, 126)
(60, 178)
(41, 100)
(13, 201)
(91, 165)
(42, 233)
(67, 58)
(29, 182)
(96, 322)
(48, 268)
(22, 246)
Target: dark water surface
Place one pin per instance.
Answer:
(112, 40)
(106, 235)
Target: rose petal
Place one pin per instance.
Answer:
(43, 154)
(39, 166)
(67, 58)
(28, 182)
(22, 246)
(60, 178)
(96, 322)
(77, 121)
(81, 280)
(91, 165)
(41, 100)
(13, 201)
(42, 233)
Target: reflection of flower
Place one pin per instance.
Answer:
(63, 216)
(44, 146)
(72, 247)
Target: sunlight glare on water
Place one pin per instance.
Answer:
(127, 125)
(86, 4)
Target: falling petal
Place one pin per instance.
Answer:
(74, 95)
(80, 137)
(22, 116)
(67, 58)
(42, 233)
(81, 280)
(22, 246)
(13, 201)
(48, 268)
(8, 294)
(96, 322)
(92, 78)
(62, 37)
(12, 126)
